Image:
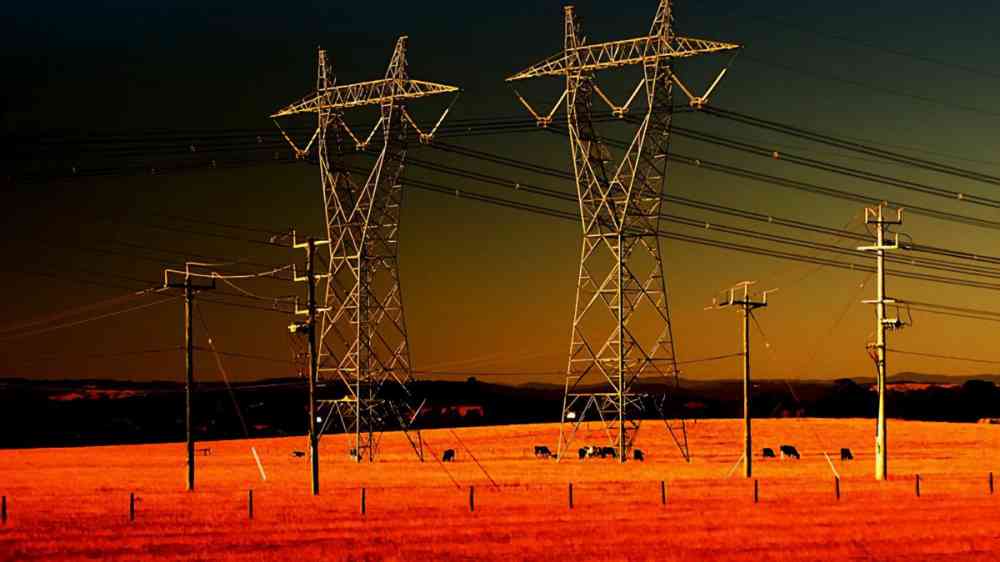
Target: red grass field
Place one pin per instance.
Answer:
(73, 503)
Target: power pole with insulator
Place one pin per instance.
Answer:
(741, 296)
(309, 329)
(876, 216)
(190, 290)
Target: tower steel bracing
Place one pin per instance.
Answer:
(621, 270)
(361, 328)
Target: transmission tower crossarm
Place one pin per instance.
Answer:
(615, 54)
(357, 326)
(373, 93)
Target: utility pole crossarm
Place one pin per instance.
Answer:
(616, 54)
(373, 93)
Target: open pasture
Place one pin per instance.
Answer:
(74, 503)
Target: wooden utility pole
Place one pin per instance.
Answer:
(189, 379)
(747, 305)
(190, 289)
(876, 217)
(313, 367)
(310, 328)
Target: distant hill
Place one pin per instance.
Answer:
(84, 412)
(941, 379)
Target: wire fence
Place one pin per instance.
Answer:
(115, 505)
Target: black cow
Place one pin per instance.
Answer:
(768, 453)
(608, 452)
(789, 451)
(638, 455)
(298, 454)
(846, 454)
(448, 456)
(542, 451)
(583, 452)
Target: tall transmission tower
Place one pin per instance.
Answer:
(361, 330)
(621, 271)
(877, 217)
(741, 296)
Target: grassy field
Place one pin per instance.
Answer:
(73, 503)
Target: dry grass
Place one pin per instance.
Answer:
(73, 503)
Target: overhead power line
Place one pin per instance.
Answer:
(949, 357)
(853, 146)
(109, 355)
(88, 320)
(757, 176)
(856, 173)
(714, 207)
(699, 223)
(566, 215)
(814, 188)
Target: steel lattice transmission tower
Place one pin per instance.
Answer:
(621, 326)
(361, 328)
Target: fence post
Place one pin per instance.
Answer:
(131, 506)
(3, 509)
(250, 503)
(918, 485)
(836, 486)
(756, 491)
(991, 483)
(663, 492)
(571, 495)
(364, 508)
(472, 499)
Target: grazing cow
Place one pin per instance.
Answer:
(638, 455)
(789, 451)
(608, 452)
(846, 454)
(448, 456)
(768, 453)
(542, 451)
(298, 454)
(582, 451)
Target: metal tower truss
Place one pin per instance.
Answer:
(361, 325)
(621, 326)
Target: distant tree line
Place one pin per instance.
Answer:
(36, 414)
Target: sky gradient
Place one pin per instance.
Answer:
(486, 289)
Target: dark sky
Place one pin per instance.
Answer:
(486, 289)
